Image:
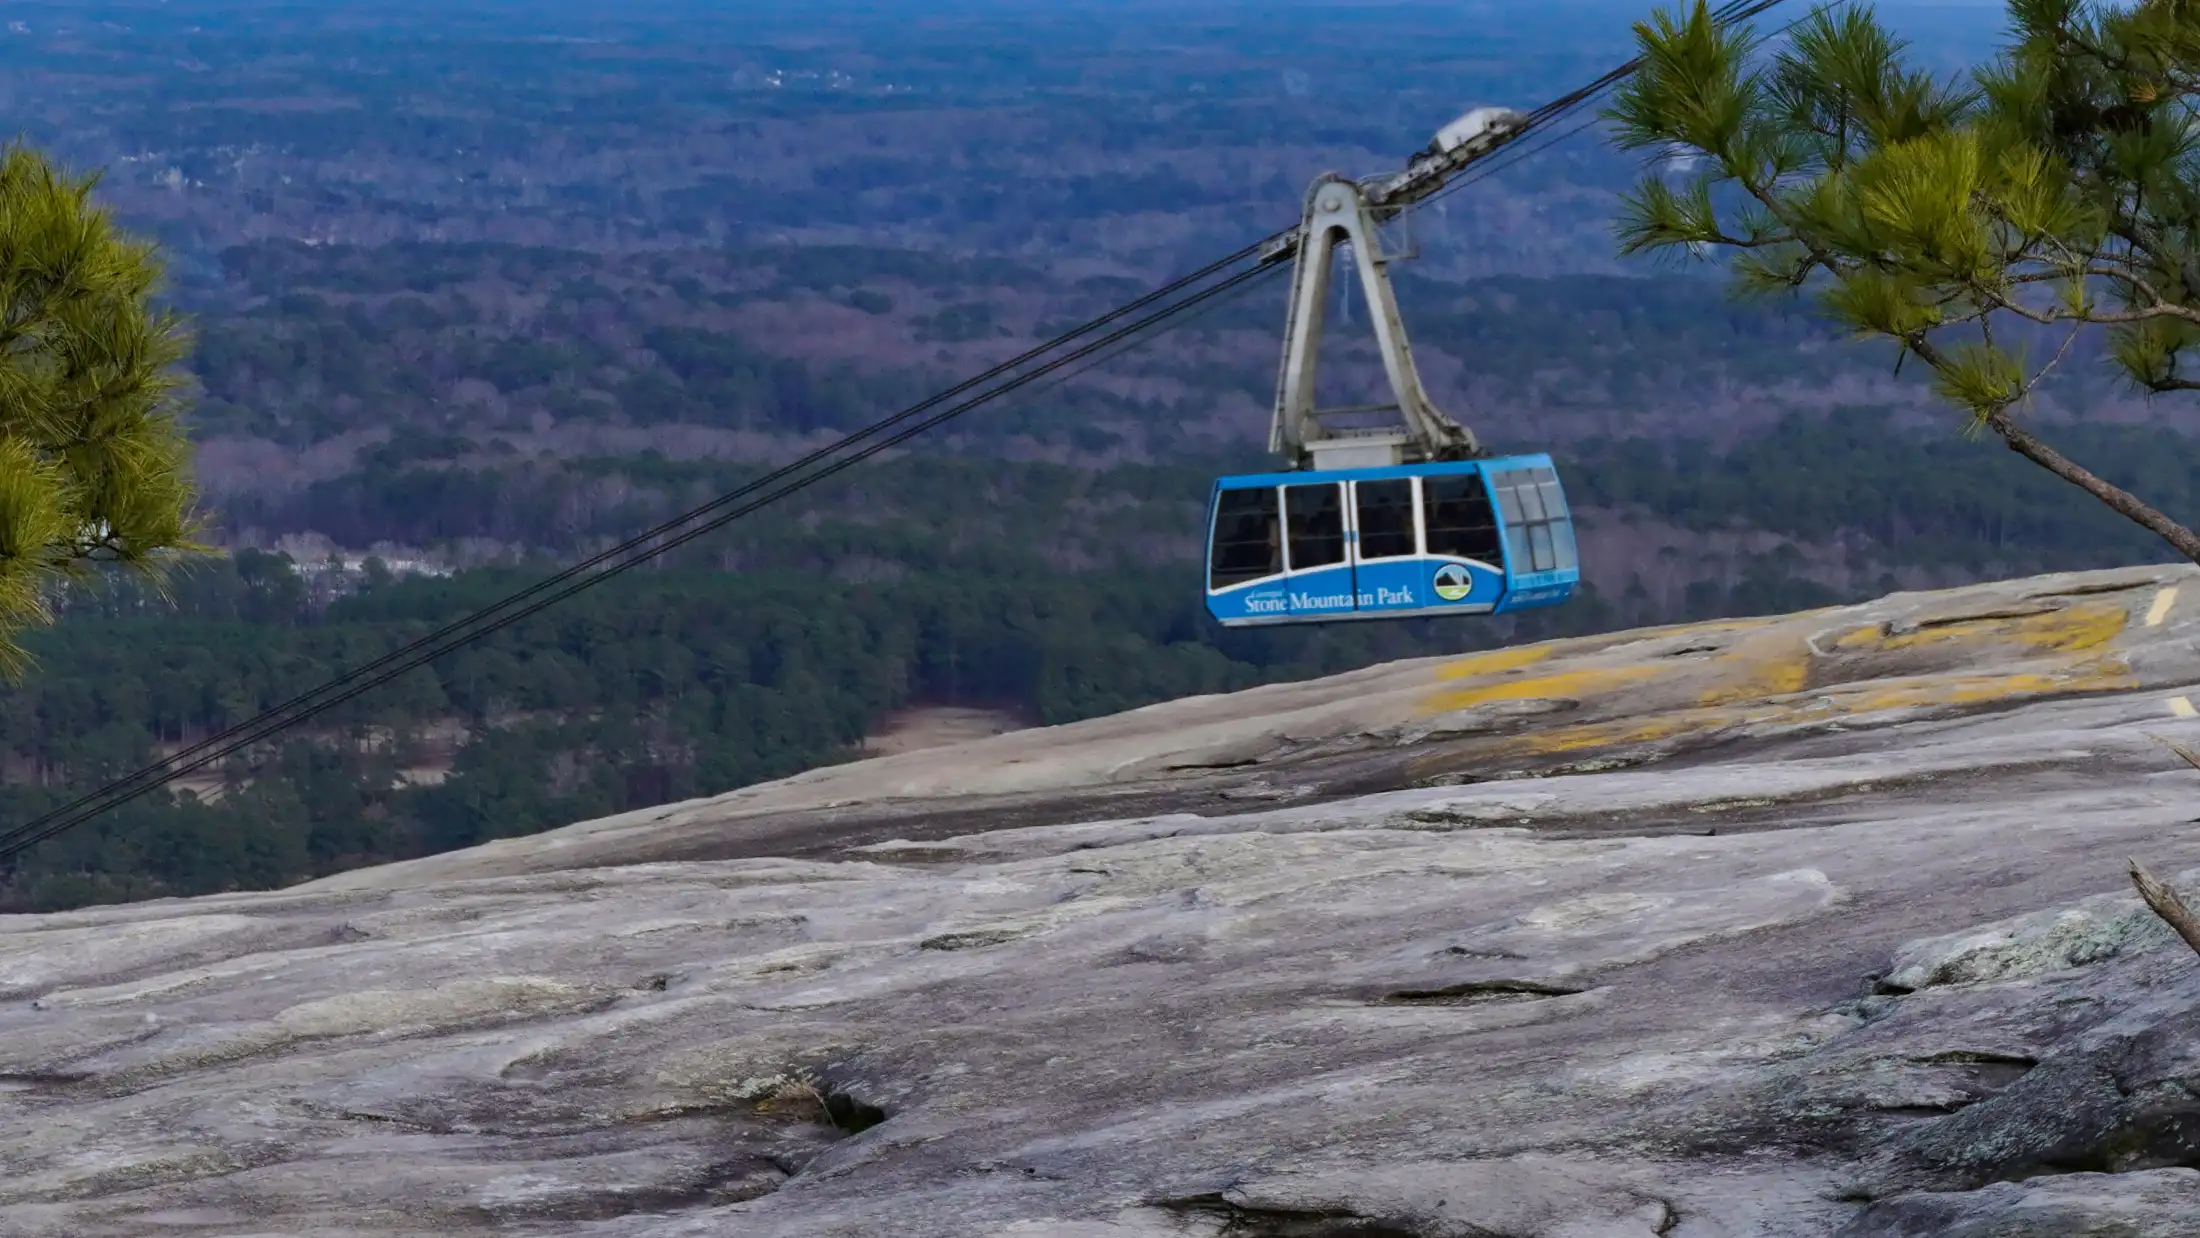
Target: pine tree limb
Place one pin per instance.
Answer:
(2167, 903)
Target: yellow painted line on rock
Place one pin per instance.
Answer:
(2182, 708)
(2160, 610)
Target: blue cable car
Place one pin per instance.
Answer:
(1475, 537)
(1381, 522)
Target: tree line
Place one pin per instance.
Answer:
(672, 685)
(1895, 496)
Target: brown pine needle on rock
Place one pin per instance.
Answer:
(2188, 755)
(2167, 903)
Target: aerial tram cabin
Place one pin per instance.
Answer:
(1383, 522)
(1476, 537)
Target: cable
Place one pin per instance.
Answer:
(434, 645)
(162, 769)
(122, 792)
(547, 592)
(269, 727)
(1736, 10)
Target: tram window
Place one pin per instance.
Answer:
(1248, 538)
(1531, 503)
(1540, 533)
(1508, 500)
(1386, 518)
(1315, 518)
(1539, 542)
(1456, 510)
(1554, 503)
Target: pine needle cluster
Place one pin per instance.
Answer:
(94, 464)
(1982, 224)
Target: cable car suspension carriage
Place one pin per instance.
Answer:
(1381, 521)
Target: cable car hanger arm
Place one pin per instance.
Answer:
(1341, 211)
(1475, 135)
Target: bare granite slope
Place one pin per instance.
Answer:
(1808, 926)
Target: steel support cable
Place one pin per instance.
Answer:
(574, 579)
(1726, 15)
(164, 770)
(1502, 153)
(124, 791)
(1737, 10)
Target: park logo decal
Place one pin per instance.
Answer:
(1453, 582)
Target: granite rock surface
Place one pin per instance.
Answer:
(1808, 926)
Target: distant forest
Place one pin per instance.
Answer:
(695, 679)
(497, 292)
(674, 685)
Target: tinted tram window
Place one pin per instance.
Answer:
(1315, 516)
(1248, 538)
(1456, 509)
(1539, 541)
(1386, 518)
(1540, 532)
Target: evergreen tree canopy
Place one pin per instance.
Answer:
(93, 464)
(1984, 225)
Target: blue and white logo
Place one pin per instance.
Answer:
(1453, 582)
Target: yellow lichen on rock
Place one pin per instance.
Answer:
(1563, 685)
(1940, 691)
(1695, 681)
(1618, 733)
(1771, 664)
(2064, 629)
(1495, 661)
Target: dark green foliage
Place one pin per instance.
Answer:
(1054, 593)
(1981, 225)
(1057, 592)
(668, 686)
(1914, 500)
(93, 465)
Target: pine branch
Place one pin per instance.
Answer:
(2167, 903)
